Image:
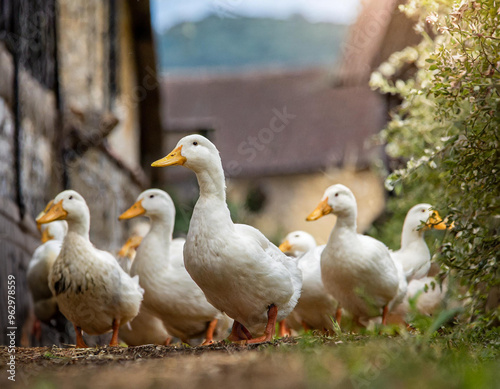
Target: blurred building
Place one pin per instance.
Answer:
(285, 136)
(78, 109)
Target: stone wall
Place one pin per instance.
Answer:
(7, 176)
(54, 135)
(108, 192)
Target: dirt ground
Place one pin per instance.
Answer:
(345, 360)
(150, 366)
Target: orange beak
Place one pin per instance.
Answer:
(38, 225)
(135, 210)
(285, 246)
(46, 236)
(131, 244)
(55, 212)
(436, 222)
(174, 158)
(321, 210)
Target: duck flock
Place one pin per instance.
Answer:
(225, 280)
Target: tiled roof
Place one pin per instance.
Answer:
(380, 30)
(324, 126)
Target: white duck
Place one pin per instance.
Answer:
(297, 243)
(145, 328)
(414, 255)
(241, 272)
(170, 292)
(429, 294)
(41, 262)
(316, 306)
(91, 288)
(356, 269)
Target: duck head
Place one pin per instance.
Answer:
(152, 203)
(338, 200)
(67, 205)
(71, 206)
(424, 213)
(297, 242)
(193, 151)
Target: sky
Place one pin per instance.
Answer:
(167, 13)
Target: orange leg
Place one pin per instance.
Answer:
(272, 314)
(237, 334)
(245, 333)
(209, 338)
(80, 343)
(338, 315)
(305, 326)
(37, 329)
(233, 336)
(114, 338)
(168, 341)
(284, 330)
(384, 315)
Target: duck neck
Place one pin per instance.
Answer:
(80, 226)
(160, 233)
(344, 226)
(410, 235)
(211, 208)
(212, 183)
(346, 222)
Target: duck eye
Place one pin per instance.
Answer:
(423, 210)
(296, 236)
(71, 197)
(151, 196)
(336, 195)
(195, 143)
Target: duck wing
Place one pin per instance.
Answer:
(277, 256)
(176, 252)
(119, 276)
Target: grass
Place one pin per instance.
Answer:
(463, 359)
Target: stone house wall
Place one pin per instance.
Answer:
(67, 80)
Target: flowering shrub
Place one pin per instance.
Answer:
(447, 130)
